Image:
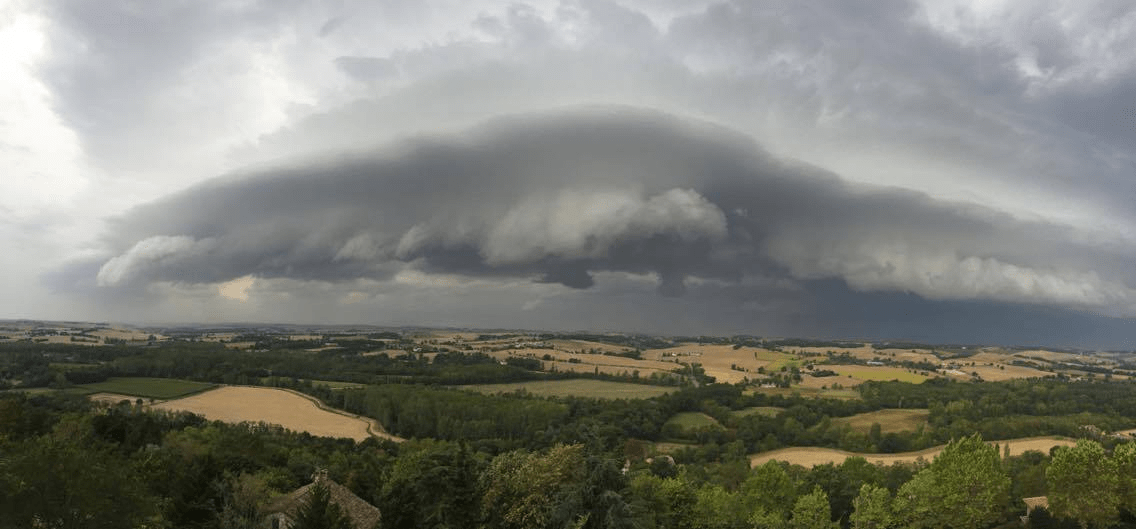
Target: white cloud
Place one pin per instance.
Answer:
(237, 289)
(41, 157)
(148, 253)
(576, 225)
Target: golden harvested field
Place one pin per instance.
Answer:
(1004, 372)
(291, 410)
(718, 359)
(1050, 356)
(889, 420)
(812, 456)
(614, 365)
(988, 357)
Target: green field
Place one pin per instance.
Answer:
(777, 360)
(151, 388)
(580, 387)
(890, 421)
(768, 411)
(692, 420)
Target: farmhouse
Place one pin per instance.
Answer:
(280, 514)
(1034, 503)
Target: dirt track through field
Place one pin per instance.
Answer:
(290, 409)
(813, 456)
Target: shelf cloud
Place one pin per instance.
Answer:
(559, 197)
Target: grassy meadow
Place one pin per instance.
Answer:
(692, 420)
(890, 421)
(766, 411)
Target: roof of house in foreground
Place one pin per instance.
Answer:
(363, 515)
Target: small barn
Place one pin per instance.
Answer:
(280, 513)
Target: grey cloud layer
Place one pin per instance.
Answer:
(558, 197)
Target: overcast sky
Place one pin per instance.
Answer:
(942, 170)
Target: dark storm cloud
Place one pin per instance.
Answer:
(560, 197)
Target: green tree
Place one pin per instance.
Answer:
(241, 499)
(766, 520)
(916, 503)
(562, 487)
(769, 489)
(319, 512)
(663, 502)
(964, 487)
(717, 508)
(812, 512)
(1125, 457)
(432, 484)
(971, 485)
(519, 488)
(48, 482)
(1083, 484)
(871, 508)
